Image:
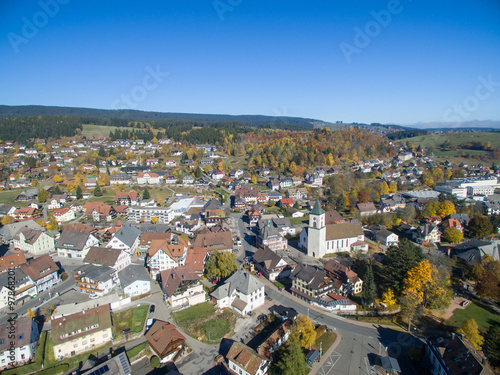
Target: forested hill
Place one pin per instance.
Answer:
(252, 120)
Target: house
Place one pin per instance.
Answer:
(148, 178)
(151, 161)
(33, 241)
(277, 336)
(473, 251)
(286, 202)
(27, 195)
(81, 331)
(320, 238)
(452, 223)
(63, 214)
(196, 257)
(366, 209)
(120, 179)
(241, 292)
(346, 280)
(23, 213)
(99, 211)
(7, 232)
(271, 264)
(126, 238)
(75, 244)
(43, 272)
(217, 174)
(134, 280)
(427, 233)
(129, 198)
(164, 255)
(254, 215)
(18, 342)
(181, 286)
(90, 181)
(16, 282)
(147, 237)
(165, 340)
(462, 218)
(79, 227)
(310, 283)
(453, 355)
(188, 180)
(217, 240)
(385, 237)
(170, 163)
(6, 210)
(95, 279)
(243, 360)
(117, 259)
(11, 261)
(57, 201)
(273, 184)
(214, 217)
(170, 180)
(271, 236)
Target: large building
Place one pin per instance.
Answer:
(158, 215)
(81, 331)
(18, 342)
(320, 238)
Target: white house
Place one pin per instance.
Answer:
(148, 178)
(386, 238)
(243, 360)
(182, 286)
(33, 241)
(162, 215)
(75, 244)
(241, 292)
(64, 214)
(95, 279)
(126, 238)
(18, 340)
(217, 175)
(134, 280)
(166, 254)
(117, 259)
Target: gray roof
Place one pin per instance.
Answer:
(131, 274)
(19, 278)
(312, 275)
(212, 204)
(127, 234)
(4, 209)
(72, 240)
(95, 273)
(267, 257)
(241, 281)
(10, 230)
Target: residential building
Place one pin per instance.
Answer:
(116, 365)
(23, 213)
(42, 272)
(346, 280)
(276, 337)
(473, 251)
(81, 331)
(452, 223)
(117, 259)
(149, 178)
(217, 175)
(492, 207)
(164, 255)
(196, 257)
(8, 232)
(216, 240)
(22, 285)
(75, 244)
(271, 265)
(147, 237)
(254, 215)
(214, 217)
(427, 233)
(11, 261)
(95, 279)
(310, 283)
(320, 238)
(241, 292)
(129, 198)
(18, 342)
(243, 360)
(33, 241)
(134, 280)
(385, 237)
(63, 214)
(181, 286)
(165, 340)
(99, 211)
(126, 238)
(120, 179)
(271, 236)
(161, 215)
(366, 209)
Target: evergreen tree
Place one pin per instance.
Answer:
(56, 190)
(492, 344)
(369, 289)
(197, 172)
(340, 203)
(289, 359)
(97, 191)
(101, 152)
(145, 195)
(79, 194)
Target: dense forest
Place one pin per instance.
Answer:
(406, 134)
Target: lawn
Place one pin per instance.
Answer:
(203, 321)
(8, 196)
(132, 319)
(324, 339)
(481, 313)
(299, 220)
(91, 130)
(136, 350)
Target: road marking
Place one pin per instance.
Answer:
(329, 364)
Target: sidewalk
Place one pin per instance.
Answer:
(317, 365)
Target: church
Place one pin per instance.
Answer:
(319, 238)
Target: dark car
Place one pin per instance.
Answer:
(152, 309)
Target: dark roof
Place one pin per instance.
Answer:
(343, 230)
(131, 274)
(471, 244)
(72, 240)
(22, 332)
(267, 257)
(39, 267)
(171, 279)
(312, 275)
(127, 234)
(102, 255)
(95, 273)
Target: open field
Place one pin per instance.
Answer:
(203, 321)
(8, 196)
(91, 131)
(483, 316)
(132, 319)
(433, 142)
(324, 339)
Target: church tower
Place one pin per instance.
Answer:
(316, 239)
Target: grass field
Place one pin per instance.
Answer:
(483, 316)
(203, 321)
(8, 196)
(132, 319)
(324, 339)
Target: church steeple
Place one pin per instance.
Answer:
(317, 216)
(317, 210)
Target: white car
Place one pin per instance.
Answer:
(93, 296)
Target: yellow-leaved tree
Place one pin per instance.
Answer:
(446, 208)
(389, 298)
(471, 331)
(304, 331)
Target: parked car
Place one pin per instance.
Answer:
(93, 296)
(152, 309)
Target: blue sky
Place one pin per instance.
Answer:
(391, 62)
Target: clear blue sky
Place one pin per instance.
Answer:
(260, 57)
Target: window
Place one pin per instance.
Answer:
(75, 346)
(92, 340)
